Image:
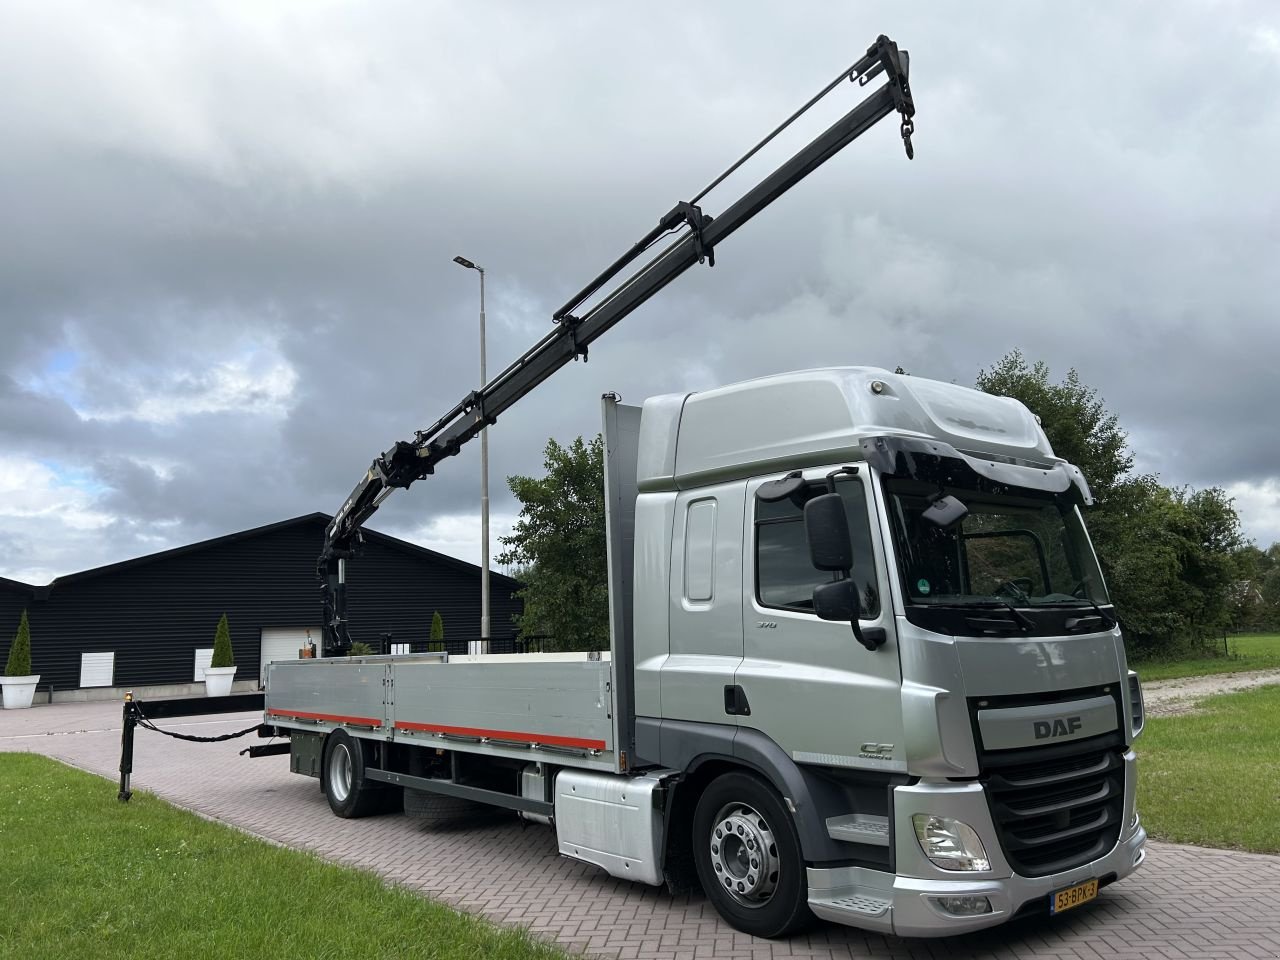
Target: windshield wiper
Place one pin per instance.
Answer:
(1023, 620)
(1108, 621)
(1020, 620)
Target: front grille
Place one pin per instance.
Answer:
(1056, 807)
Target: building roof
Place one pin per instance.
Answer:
(16, 586)
(317, 518)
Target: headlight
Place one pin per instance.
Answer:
(950, 844)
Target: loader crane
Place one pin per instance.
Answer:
(576, 329)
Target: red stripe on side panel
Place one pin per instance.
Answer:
(551, 740)
(335, 718)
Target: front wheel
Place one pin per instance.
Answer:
(748, 857)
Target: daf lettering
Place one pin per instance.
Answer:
(1059, 727)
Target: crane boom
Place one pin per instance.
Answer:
(410, 460)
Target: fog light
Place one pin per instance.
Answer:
(965, 906)
(950, 844)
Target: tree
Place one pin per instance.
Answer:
(1268, 617)
(558, 548)
(437, 627)
(223, 655)
(19, 662)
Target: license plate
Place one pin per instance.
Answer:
(1073, 896)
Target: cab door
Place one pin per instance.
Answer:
(705, 603)
(808, 683)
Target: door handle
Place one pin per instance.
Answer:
(735, 701)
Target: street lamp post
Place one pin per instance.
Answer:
(483, 645)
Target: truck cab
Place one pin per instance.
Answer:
(949, 744)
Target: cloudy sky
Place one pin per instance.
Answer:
(225, 255)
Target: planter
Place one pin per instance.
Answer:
(18, 691)
(217, 680)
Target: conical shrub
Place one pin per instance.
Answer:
(223, 655)
(19, 662)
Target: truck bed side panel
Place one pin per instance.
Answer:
(554, 704)
(345, 690)
(548, 707)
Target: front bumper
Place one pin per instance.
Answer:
(908, 907)
(908, 904)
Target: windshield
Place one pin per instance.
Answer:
(1015, 547)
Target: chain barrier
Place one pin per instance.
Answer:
(144, 722)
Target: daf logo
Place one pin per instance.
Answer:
(1060, 727)
(876, 749)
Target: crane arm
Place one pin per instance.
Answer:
(575, 329)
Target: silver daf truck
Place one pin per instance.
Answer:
(862, 665)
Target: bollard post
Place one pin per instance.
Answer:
(126, 748)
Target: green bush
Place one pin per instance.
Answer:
(19, 662)
(223, 656)
(437, 627)
(360, 649)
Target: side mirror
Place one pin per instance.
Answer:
(837, 601)
(827, 529)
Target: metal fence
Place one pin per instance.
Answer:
(457, 646)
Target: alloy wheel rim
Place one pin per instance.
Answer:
(744, 855)
(340, 772)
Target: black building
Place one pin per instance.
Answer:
(149, 621)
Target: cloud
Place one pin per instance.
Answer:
(457, 535)
(45, 514)
(1258, 505)
(227, 281)
(253, 385)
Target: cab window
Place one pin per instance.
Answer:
(785, 578)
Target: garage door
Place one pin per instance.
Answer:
(283, 643)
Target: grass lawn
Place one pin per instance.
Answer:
(1213, 777)
(86, 876)
(1252, 651)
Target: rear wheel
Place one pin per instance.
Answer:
(349, 793)
(437, 808)
(747, 853)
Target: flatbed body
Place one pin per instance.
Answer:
(531, 707)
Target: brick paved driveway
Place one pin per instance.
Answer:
(1185, 902)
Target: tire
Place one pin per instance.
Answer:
(747, 853)
(349, 794)
(436, 808)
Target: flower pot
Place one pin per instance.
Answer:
(217, 680)
(18, 691)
